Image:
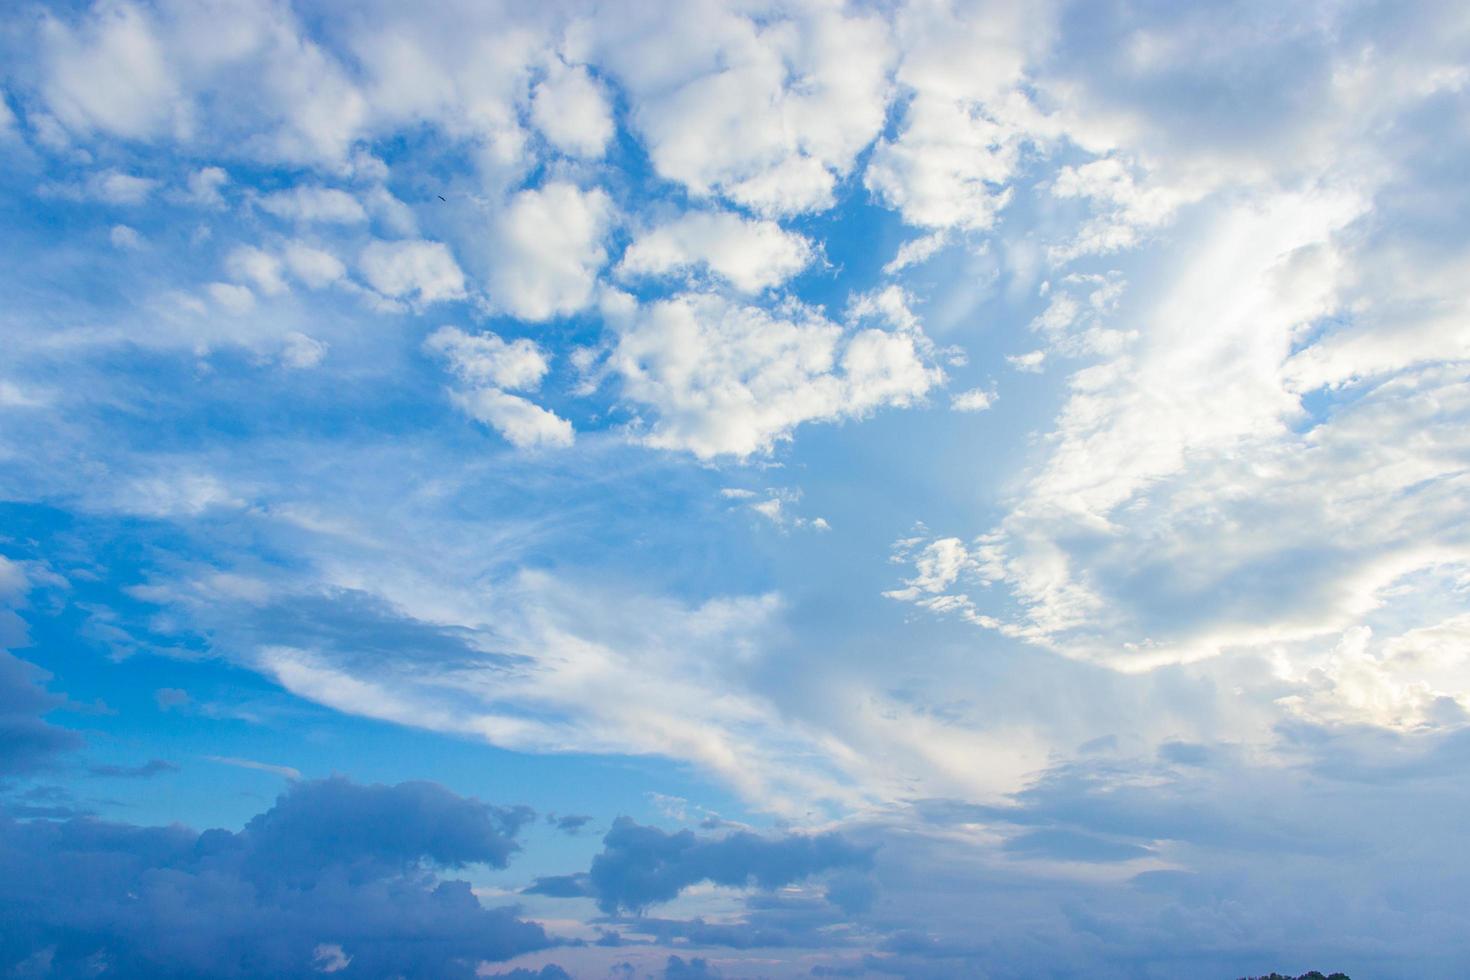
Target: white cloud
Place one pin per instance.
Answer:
(523, 423)
(767, 112)
(749, 254)
(728, 379)
(315, 204)
(422, 271)
(916, 251)
(485, 364)
(234, 299)
(258, 268)
(974, 400)
(485, 359)
(1125, 209)
(204, 186)
(285, 772)
(571, 110)
(1184, 510)
(959, 138)
(125, 238)
(112, 74)
(777, 508)
(548, 251)
(301, 351)
(107, 187)
(313, 266)
(1031, 362)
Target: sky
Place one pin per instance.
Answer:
(734, 488)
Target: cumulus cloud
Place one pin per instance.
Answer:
(523, 423)
(549, 248)
(417, 270)
(769, 113)
(750, 255)
(571, 110)
(486, 365)
(729, 379)
(641, 866)
(332, 864)
(484, 358)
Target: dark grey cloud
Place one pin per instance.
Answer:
(569, 823)
(332, 864)
(641, 866)
(27, 741)
(153, 767)
(696, 968)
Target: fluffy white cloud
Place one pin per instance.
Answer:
(959, 139)
(485, 365)
(523, 423)
(729, 379)
(766, 111)
(749, 254)
(549, 248)
(571, 110)
(484, 358)
(417, 270)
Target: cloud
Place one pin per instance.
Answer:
(751, 255)
(30, 742)
(315, 267)
(417, 270)
(125, 238)
(548, 250)
(768, 113)
(484, 365)
(523, 423)
(286, 772)
(484, 358)
(571, 110)
(260, 269)
(205, 184)
(314, 204)
(569, 823)
(153, 767)
(974, 400)
(108, 187)
(642, 866)
(111, 74)
(729, 379)
(333, 874)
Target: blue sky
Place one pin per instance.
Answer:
(758, 489)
